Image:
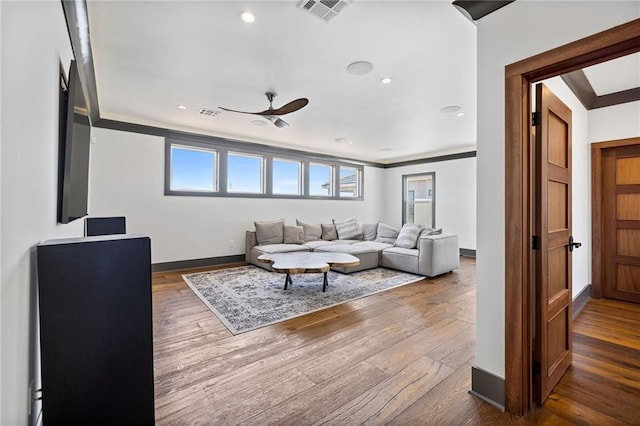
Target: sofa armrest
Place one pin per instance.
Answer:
(438, 254)
(250, 241)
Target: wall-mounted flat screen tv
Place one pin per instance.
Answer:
(73, 150)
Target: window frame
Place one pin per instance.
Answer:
(301, 180)
(263, 171)
(224, 147)
(192, 147)
(405, 179)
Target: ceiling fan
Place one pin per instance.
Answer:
(271, 113)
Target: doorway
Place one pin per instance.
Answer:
(616, 219)
(519, 184)
(419, 199)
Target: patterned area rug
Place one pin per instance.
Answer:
(249, 297)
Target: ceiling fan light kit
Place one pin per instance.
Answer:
(271, 112)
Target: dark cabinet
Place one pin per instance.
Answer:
(96, 331)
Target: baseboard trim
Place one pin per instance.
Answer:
(488, 387)
(196, 263)
(468, 252)
(580, 301)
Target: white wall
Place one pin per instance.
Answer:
(615, 122)
(34, 44)
(455, 196)
(520, 30)
(127, 178)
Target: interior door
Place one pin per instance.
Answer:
(621, 220)
(553, 311)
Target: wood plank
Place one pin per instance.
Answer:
(403, 356)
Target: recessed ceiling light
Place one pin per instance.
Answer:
(386, 80)
(460, 114)
(181, 107)
(360, 68)
(450, 109)
(258, 123)
(248, 17)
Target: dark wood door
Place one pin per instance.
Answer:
(621, 223)
(553, 311)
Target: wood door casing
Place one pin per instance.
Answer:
(552, 223)
(519, 181)
(621, 223)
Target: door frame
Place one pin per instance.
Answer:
(610, 44)
(597, 224)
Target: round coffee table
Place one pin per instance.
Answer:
(307, 262)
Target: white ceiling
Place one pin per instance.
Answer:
(615, 75)
(151, 56)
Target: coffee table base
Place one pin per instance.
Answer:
(288, 281)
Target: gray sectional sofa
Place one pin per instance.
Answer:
(412, 248)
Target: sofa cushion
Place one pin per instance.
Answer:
(293, 234)
(312, 245)
(279, 248)
(369, 257)
(270, 232)
(372, 245)
(369, 231)
(348, 229)
(312, 231)
(329, 232)
(386, 233)
(408, 235)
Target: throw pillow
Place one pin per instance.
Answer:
(270, 232)
(293, 234)
(329, 232)
(369, 231)
(312, 232)
(431, 231)
(386, 233)
(348, 229)
(408, 235)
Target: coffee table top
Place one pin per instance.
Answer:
(307, 261)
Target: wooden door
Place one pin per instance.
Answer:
(552, 224)
(621, 223)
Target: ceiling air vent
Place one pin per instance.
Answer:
(208, 112)
(323, 9)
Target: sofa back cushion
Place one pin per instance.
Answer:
(369, 231)
(312, 231)
(348, 229)
(329, 232)
(270, 232)
(386, 233)
(293, 234)
(408, 235)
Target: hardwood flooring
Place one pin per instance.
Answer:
(401, 357)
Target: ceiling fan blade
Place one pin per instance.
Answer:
(241, 112)
(290, 107)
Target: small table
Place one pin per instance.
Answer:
(306, 263)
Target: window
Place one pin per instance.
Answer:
(287, 177)
(214, 167)
(418, 199)
(320, 180)
(245, 173)
(193, 169)
(349, 182)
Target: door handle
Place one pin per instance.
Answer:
(573, 244)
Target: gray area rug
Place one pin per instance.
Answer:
(249, 297)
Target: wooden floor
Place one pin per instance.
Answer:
(400, 357)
